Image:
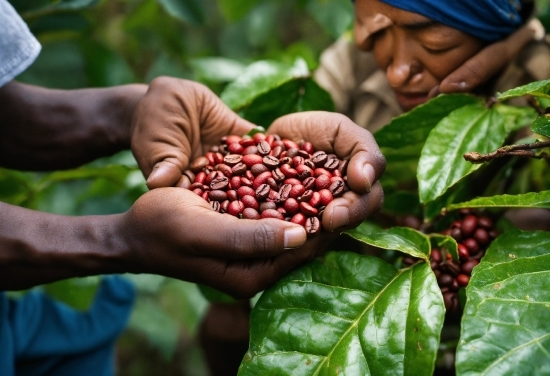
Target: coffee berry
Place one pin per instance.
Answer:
(266, 176)
(473, 233)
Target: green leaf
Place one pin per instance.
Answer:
(259, 78)
(542, 125)
(403, 239)
(76, 292)
(516, 117)
(441, 165)
(446, 242)
(314, 98)
(536, 89)
(234, 10)
(217, 69)
(335, 16)
(350, 315)
(506, 322)
(189, 11)
(526, 200)
(414, 126)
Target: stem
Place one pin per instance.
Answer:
(533, 102)
(521, 150)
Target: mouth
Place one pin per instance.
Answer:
(408, 101)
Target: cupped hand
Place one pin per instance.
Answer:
(175, 122)
(174, 232)
(335, 133)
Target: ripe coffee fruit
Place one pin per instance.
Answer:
(266, 176)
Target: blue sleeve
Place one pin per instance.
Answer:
(49, 337)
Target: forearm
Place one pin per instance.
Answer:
(47, 129)
(37, 248)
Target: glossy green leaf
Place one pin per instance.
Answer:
(446, 242)
(536, 89)
(234, 10)
(189, 11)
(441, 164)
(403, 239)
(414, 126)
(526, 200)
(335, 16)
(260, 78)
(347, 315)
(506, 322)
(217, 69)
(541, 125)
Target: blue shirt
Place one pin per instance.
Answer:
(18, 47)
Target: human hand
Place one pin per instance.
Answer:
(175, 122)
(173, 232)
(334, 133)
(489, 61)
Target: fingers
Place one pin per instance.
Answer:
(191, 223)
(243, 279)
(351, 209)
(336, 133)
(486, 63)
(175, 122)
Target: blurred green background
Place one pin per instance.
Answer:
(91, 43)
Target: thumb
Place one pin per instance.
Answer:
(166, 173)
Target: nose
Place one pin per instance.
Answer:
(403, 68)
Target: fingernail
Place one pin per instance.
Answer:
(153, 173)
(458, 86)
(368, 170)
(434, 92)
(294, 237)
(339, 217)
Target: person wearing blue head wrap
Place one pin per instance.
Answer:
(488, 20)
(416, 49)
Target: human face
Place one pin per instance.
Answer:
(415, 52)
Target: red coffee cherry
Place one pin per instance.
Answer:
(463, 279)
(469, 225)
(272, 213)
(463, 252)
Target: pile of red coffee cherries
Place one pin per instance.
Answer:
(266, 176)
(473, 233)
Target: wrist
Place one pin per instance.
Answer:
(122, 103)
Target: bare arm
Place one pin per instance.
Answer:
(46, 129)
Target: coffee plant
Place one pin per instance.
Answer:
(441, 280)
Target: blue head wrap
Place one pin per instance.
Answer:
(488, 20)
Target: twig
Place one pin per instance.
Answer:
(533, 102)
(520, 150)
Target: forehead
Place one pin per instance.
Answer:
(369, 10)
